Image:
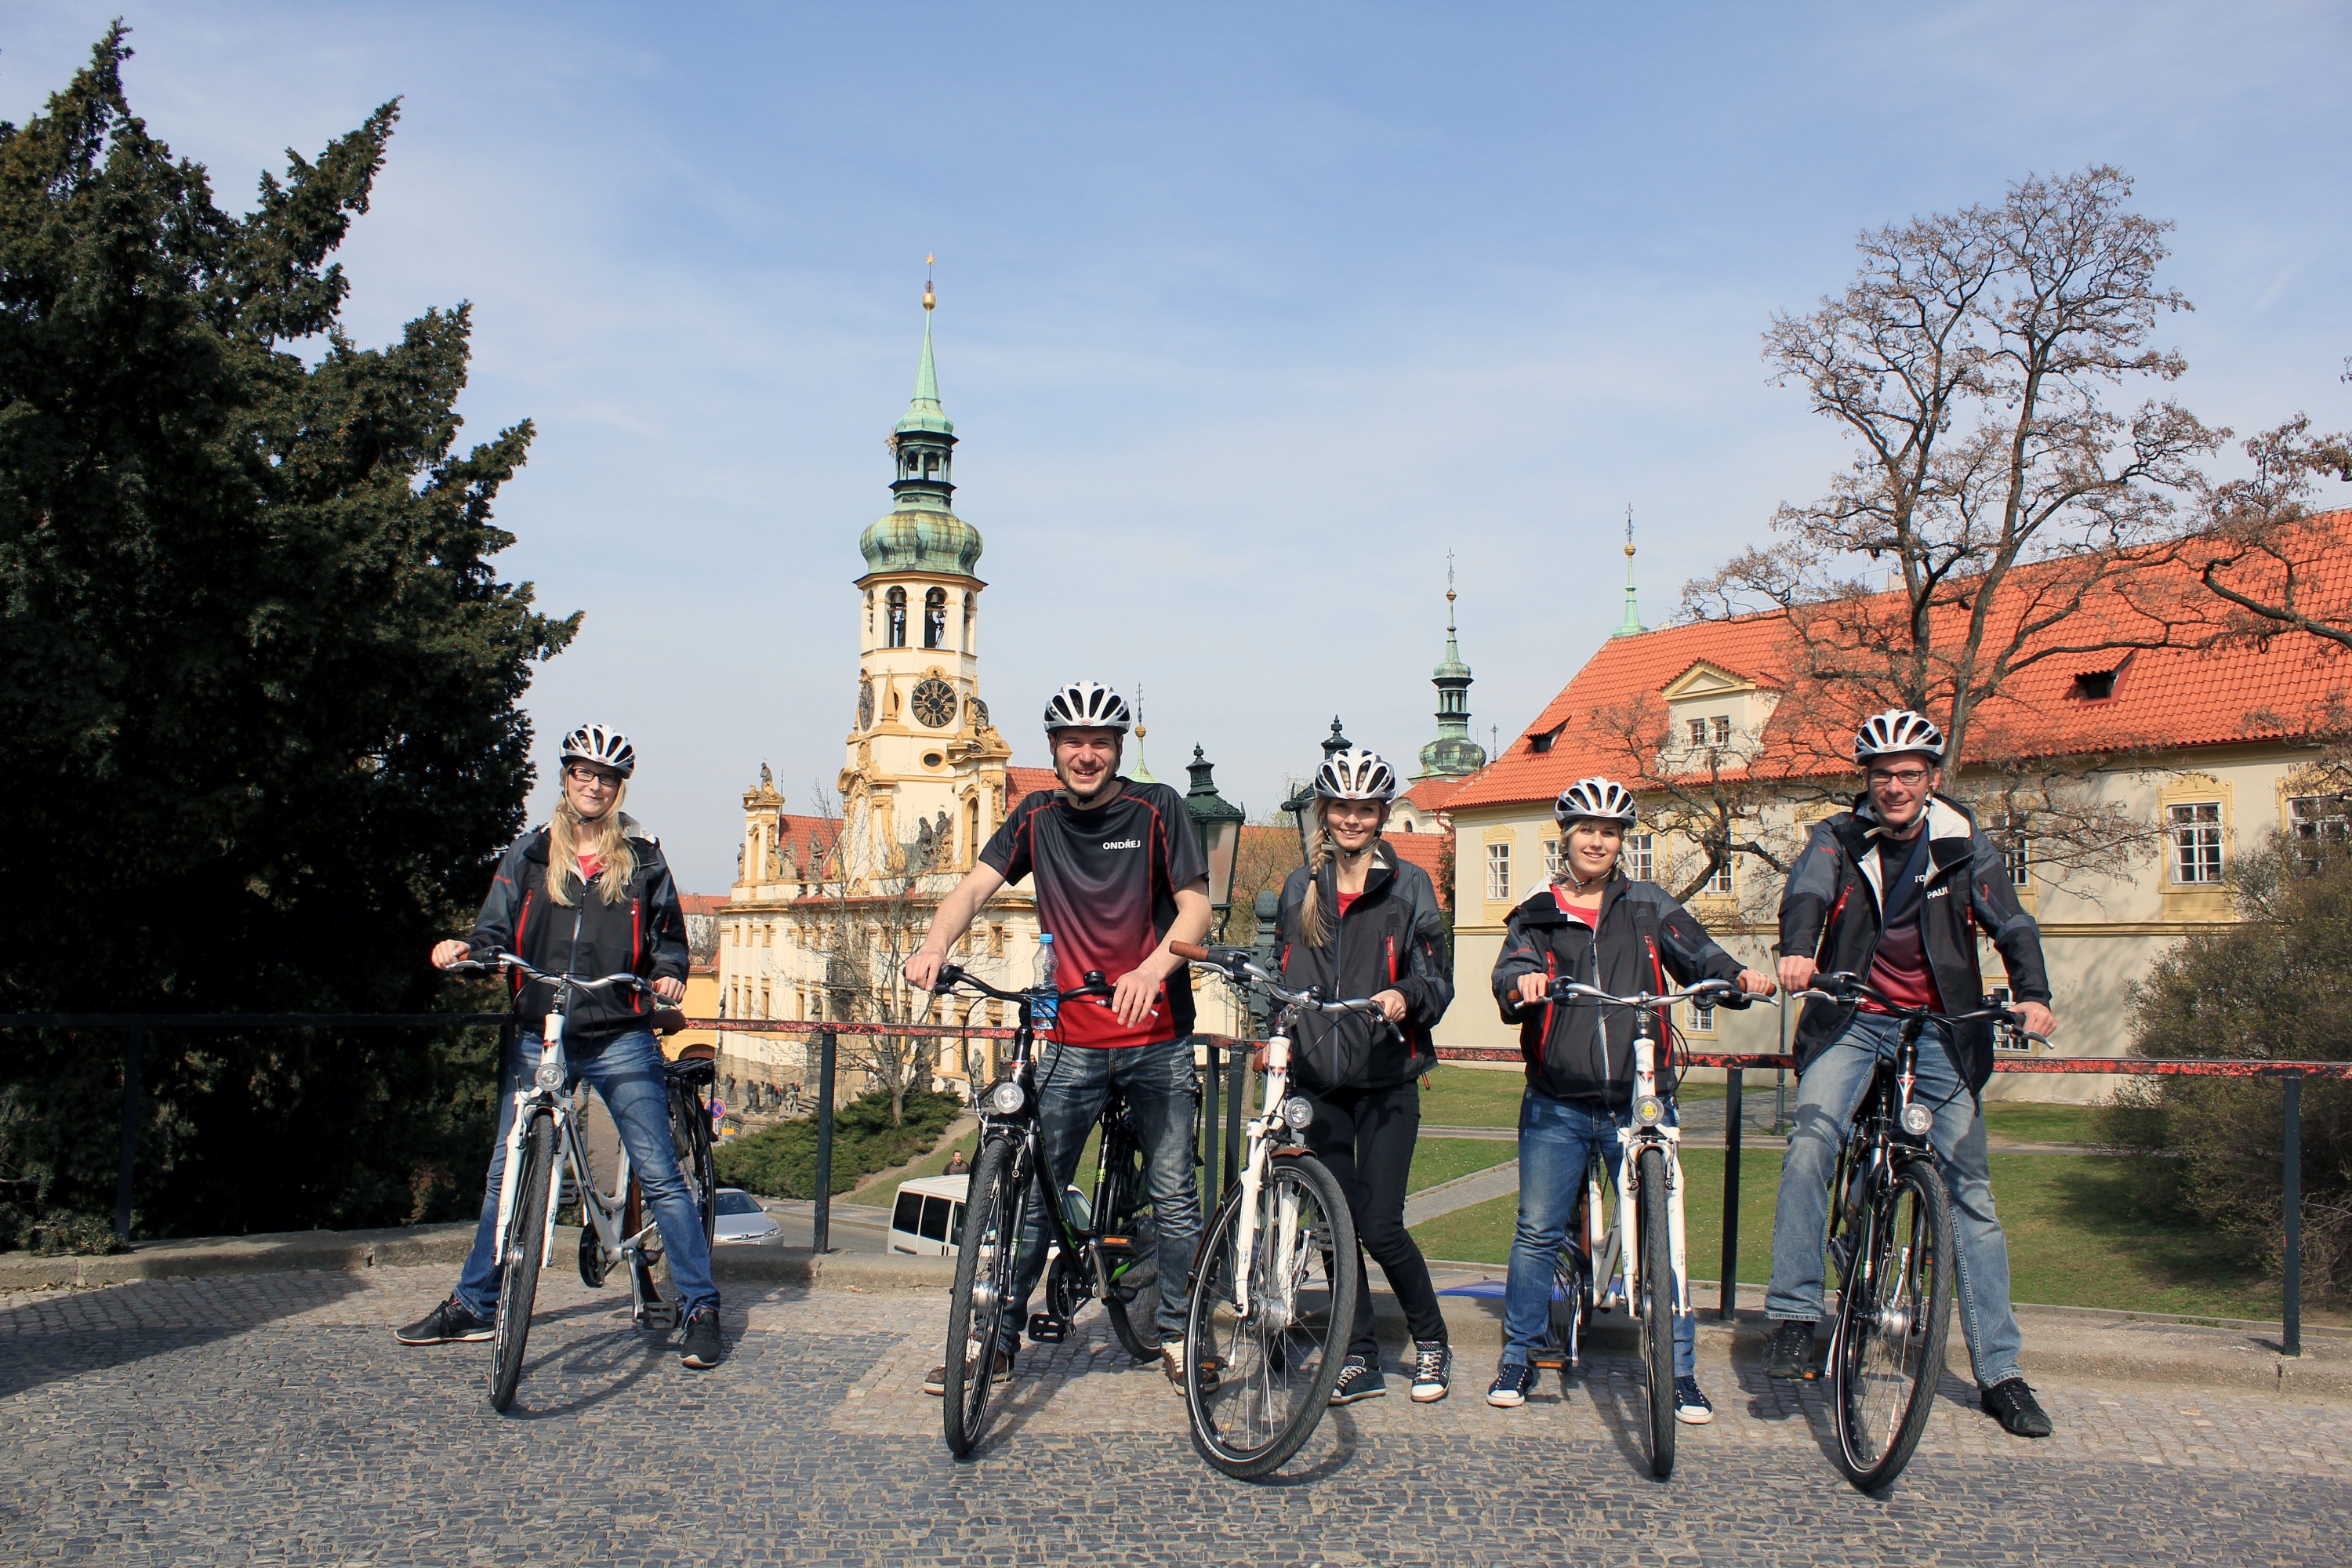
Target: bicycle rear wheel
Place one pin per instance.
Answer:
(1657, 1306)
(1274, 1363)
(689, 1144)
(524, 1251)
(1130, 1241)
(1893, 1315)
(995, 1211)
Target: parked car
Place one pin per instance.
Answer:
(928, 1218)
(741, 1217)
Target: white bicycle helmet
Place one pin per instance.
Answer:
(1605, 800)
(1087, 705)
(1355, 775)
(602, 744)
(1897, 729)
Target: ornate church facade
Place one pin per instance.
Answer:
(827, 906)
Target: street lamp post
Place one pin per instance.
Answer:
(1219, 823)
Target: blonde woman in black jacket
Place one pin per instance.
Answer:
(1359, 922)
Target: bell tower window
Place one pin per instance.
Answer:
(935, 618)
(897, 603)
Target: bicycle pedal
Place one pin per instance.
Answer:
(660, 1318)
(1048, 1331)
(1549, 1360)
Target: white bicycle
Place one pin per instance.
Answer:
(616, 1231)
(1274, 1281)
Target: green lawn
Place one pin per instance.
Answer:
(1436, 1160)
(2027, 1122)
(1483, 1097)
(2073, 1239)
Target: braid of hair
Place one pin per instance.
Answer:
(1314, 926)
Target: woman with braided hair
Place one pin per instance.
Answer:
(1358, 921)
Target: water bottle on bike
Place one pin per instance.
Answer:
(1048, 1009)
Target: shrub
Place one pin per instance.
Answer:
(2278, 985)
(780, 1162)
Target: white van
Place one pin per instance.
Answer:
(927, 1219)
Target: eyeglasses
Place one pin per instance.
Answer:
(1904, 776)
(580, 774)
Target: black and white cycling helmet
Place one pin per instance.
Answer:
(1087, 705)
(1355, 775)
(1898, 729)
(602, 744)
(1596, 799)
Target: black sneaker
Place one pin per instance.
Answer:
(1432, 1371)
(2010, 1403)
(702, 1350)
(1790, 1353)
(1509, 1389)
(452, 1322)
(1359, 1379)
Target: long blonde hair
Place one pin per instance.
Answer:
(610, 847)
(1314, 925)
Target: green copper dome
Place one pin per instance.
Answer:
(925, 541)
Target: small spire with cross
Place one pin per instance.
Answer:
(1631, 625)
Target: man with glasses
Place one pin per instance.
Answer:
(1895, 890)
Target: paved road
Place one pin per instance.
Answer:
(271, 1419)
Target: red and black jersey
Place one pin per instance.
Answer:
(1106, 884)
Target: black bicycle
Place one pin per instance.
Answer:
(1892, 1247)
(1108, 1250)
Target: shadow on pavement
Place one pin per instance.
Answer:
(36, 1348)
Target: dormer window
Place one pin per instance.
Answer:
(2094, 685)
(1542, 742)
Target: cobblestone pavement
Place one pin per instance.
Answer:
(272, 1419)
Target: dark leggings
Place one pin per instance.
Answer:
(1366, 1137)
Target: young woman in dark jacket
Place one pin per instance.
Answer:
(588, 895)
(1358, 921)
(1595, 925)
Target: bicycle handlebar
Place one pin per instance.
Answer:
(1236, 964)
(953, 976)
(1709, 993)
(1843, 986)
(577, 982)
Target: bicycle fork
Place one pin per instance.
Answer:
(1278, 1081)
(547, 1082)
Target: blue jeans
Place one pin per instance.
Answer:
(1833, 1085)
(1558, 1138)
(628, 1073)
(1157, 1082)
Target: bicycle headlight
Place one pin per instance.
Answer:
(1649, 1110)
(1916, 1120)
(1298, 1111)
(1006, 1099)
(550, 1075)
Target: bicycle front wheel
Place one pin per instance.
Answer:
(1893, 1313)
(1276, 1349)
(987, 1254)
(524, 1251)
(1657, 1306)
(1130, 1241)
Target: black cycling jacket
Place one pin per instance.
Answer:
(1829, 912)
(1582, 1050)
(644, 934)
(1391, 938)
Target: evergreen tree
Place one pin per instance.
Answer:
(258, 682)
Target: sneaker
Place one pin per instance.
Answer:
(450, 1322)
(2010, 1403)
(1171, 1362)
(1432, 1371)
(1691, 1405)
(702, 1348)
(1790, 1353)
(1512, 1381)
(936, 1385)
(1359, 1378)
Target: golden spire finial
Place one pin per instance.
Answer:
(1628, 530)
(930, 300)
(1449, 576)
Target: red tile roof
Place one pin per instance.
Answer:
(1431, 795)
(1021, 782)
(2165, 697)
(1420, 849)
(703, 903)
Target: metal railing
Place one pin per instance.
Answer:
(1226, 1086)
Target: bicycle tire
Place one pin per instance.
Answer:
(1274, 1368)
(689, 1145)
(526, 1245)
(1893, 1315)
(1657, 1315)
(1570, 1293)
(988, 1252)
(1120, 1207)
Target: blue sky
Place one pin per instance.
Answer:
(1247, 314)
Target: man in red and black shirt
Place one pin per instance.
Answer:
(1118, 875)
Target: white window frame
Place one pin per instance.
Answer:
(2318, 819)
(1720, 884)
(1641, 856)
(1702, 1020)
(1551, 857)
(2195, 831)
(1498, 871)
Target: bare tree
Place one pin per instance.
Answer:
(1711, 801)
(1971, 361)
(2261, 559)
